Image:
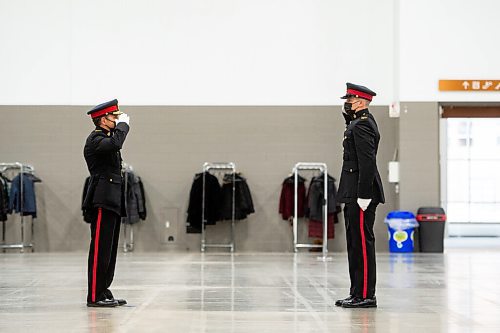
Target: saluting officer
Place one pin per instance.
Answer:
(361, 190)
(104, 201)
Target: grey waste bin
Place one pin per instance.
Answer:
(431, 231)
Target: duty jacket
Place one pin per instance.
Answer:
(315, 198)
(360, 177)
(287, 197)
(213, 195)
(4, 198)
(243, 203)
(26, 205)
(135, 199)
(102, 154)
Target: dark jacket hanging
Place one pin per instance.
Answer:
(243, 198)
(4, 198)
(315, 198)
(135, 200)
(28, 199)
(315, 206)
(286, 205)
(212, 202)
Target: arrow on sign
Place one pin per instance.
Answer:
(466, 85)
(497, 87)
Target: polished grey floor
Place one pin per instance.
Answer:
(189, 292)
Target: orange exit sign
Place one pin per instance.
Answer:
(469, 85)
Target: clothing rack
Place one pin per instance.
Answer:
(227, 166)
(128, 242)
(301, 166)
(23, 168)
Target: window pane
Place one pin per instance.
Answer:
(483, 177)
(483, 212)
(458, 212)
(458, 181)
(484, 134)
(458, 138)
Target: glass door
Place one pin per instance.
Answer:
(471, 168)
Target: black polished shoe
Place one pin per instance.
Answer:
(339, 302)
(358, 302)
(120, 301)
(103, 304)
(109, 296)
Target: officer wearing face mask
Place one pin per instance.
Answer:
(360, 188)
(103, 204)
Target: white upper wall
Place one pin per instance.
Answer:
(192, 52)
(448, 39)
(241, 52)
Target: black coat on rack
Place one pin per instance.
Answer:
(4, 198)
(243, 198)
(135, 199)
(315, 198)
(212, 202)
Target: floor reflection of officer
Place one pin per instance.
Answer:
(104, 200)
(360, 188)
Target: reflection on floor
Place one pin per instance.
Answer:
(480, 243)
(191, 292)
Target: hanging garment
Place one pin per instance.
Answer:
(286, 206)
(212, 202)
(4, 198)
(314, 210)
(135, 200)
(243, 204)
(28, 201)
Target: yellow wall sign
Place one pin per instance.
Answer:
(469, 85)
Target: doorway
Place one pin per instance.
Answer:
(470, 170)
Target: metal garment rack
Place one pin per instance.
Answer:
(310, 166)
(207, 166)
(128, 242)
(22, 169)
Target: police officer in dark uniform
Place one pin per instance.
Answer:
(104, 200)
(360, 188)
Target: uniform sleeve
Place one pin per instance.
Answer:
(364, 139)
(111, 143)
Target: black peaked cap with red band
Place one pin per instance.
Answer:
(355, 90)
(103, 109)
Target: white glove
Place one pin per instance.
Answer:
(123, 118)
(363, 203)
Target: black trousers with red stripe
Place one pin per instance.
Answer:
(105, 231)
(361, 249)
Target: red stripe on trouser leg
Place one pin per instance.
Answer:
(96, 251)
(363, 244)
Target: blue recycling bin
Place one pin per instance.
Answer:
(401, 230)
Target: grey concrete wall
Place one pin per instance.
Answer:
(167, 146)
(419, 155)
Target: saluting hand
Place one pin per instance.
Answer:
(123, 118)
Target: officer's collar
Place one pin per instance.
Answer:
(360, 114)
(100, 129)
